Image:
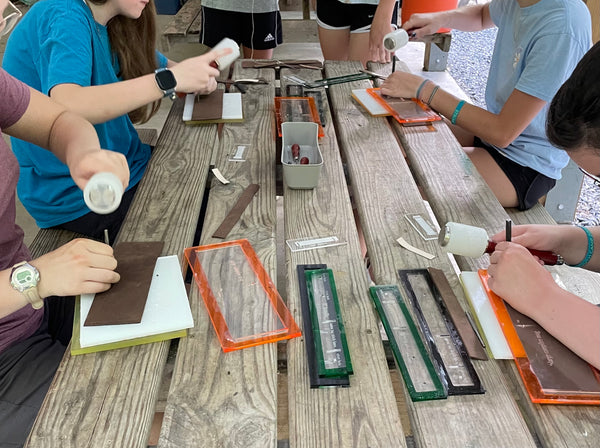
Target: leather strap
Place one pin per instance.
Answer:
(458, 316)
(236, 212)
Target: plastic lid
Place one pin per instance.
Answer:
(103, 193)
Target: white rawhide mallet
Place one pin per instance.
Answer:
(394, 41)
(470, 241)
(103, 193)
(225, 61)
(462, 239)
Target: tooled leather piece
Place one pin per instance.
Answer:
(125, 301)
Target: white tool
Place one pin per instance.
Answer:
(395, 40)
(103, 193)
(225, 61)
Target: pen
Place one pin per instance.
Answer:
(106, 240)
(508, 230)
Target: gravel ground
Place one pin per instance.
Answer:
(468, 63)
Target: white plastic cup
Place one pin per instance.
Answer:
(395, 40)
(103, 193)
(462, 239)
(225, 61)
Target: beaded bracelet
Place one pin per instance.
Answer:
(590, 249)
(459, 106)
(433, 92)
(425, 81)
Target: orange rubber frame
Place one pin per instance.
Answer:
(228, 342)
(530, 380)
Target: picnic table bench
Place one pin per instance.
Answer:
(260, 396)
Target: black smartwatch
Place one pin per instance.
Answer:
(166, 82)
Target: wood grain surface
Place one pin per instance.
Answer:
(457, 192)
(222, 399)
(364, 414)
(107, 399)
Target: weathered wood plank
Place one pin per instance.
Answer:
(230, 399)
(365, 414)
(457, 192)
(107, 399)
(384, 192)
(185, 21)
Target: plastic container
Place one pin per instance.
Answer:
(410, 7)
(295, 174)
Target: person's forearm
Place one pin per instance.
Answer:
(468, 18)
(71, 137)
(99, 104)
(573, 245)
(497, 129)
(573, 321)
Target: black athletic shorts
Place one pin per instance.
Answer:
(261, 31)
(529, 184)
(335, 15)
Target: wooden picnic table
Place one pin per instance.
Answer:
(260, 396)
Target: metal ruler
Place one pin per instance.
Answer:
(445, 344)
(331, 348)
(420, 375)
(315, 380)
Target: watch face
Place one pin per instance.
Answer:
(23, 277)
(166, 80)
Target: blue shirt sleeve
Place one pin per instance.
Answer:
(161, 59)
(555, 54)
(66, 53)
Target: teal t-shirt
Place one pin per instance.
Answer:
(58, 42)
(536, 50)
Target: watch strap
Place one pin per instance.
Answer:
(34, 298)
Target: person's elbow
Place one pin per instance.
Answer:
(502, 137)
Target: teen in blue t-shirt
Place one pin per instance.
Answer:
(538, 45)
(65, 49)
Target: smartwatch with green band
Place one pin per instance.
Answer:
(24, 278)
(166, 82)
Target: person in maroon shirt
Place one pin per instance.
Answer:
(36, 323)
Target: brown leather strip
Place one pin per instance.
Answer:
(125, 301)
(458, 316)
(208, 107)
(234, 215)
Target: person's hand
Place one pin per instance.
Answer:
(85, 164)
(421, 25)
(538, 236)
(517, 277)
(81, 266)
(401, 85)
(196, 75)
(379, 28)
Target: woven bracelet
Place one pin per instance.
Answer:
(459, 106)
(433, 92)
(590, 248)
(425, 81)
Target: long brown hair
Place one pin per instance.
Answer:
(133, 42)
